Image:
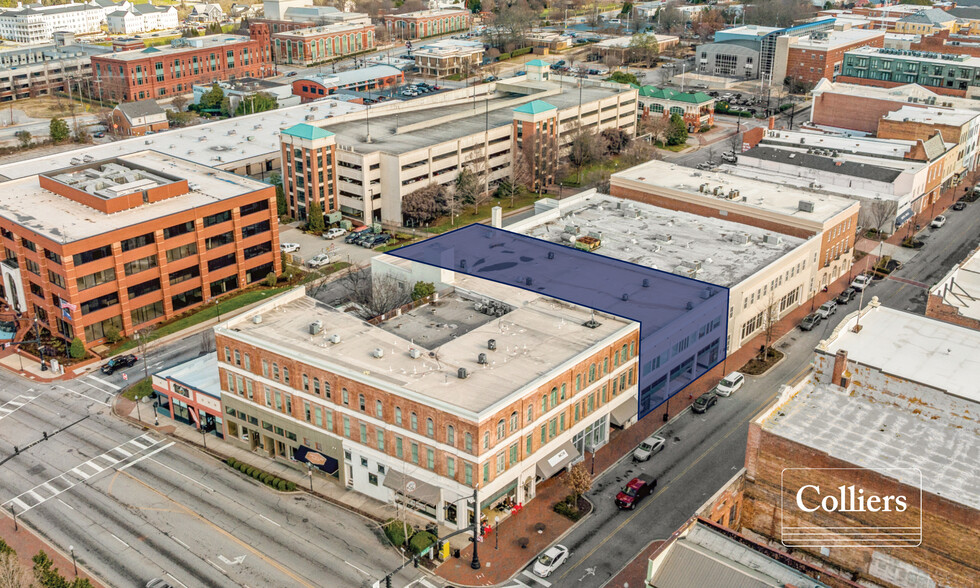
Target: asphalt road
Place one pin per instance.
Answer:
(135, 505)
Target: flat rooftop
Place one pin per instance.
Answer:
(879, 171)
(836, 39)
(469, 117)
(190, 44)
(200, 373)
(537, 336)
(912, 93)
(762, 195)
(933, 116)
(217, 144)
(887, 148)
(961, 287)
(923, 57)
(667, 240)
(863, 430)
(64, 220)
(321, 30)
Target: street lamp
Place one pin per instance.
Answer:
(74, 563)
(496, 535)
(475, 563)
(309, 469)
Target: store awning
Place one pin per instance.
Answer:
(412, 487)
(311, 456)
(623, 413)
(562, 456)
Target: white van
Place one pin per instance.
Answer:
(729, 384)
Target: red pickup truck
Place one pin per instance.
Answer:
(636, 490)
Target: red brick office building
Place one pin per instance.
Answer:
(426, 23)
(169, 70)
(810, 58)
(128, 242)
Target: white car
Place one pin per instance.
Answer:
(318, 261)
(288, 247)
(549, 561)
(649, 446)
(861, 282)
(334, 233)
(729, 384)
(938, 222)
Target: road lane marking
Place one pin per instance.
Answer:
(176, 580)
(270, 520)
(152, 453)
(14, 404)
(215, 566)
(65, 503)
(186, 546)
(77, 393)
(541, 581)
(653, 499)
(208, 488)
(357, 568)
(119, 540)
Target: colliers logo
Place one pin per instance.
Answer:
(832, 507)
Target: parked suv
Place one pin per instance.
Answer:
(729, 384)
(827, 308)
(846, 296)
(636, 490)
(119, 362)
(810, 321)
(704, 402)
(861, 282)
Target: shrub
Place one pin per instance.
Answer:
(402, 236)
(421, 541)
(395, 532)
(567, 508)
(77, 348)
(504, 56)
(519, 52)
(270, 279)
(250, 471)
(290, 486)
(112, 334)
(422, 289)
(232, 462)
(281, 484)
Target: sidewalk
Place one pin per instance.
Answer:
(26, 543)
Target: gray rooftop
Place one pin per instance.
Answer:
(140, 108)
(929, 16)
(665, 239)
(823, 163)
(538, 336)
(200, 373)
(181, 45)
(25, 202)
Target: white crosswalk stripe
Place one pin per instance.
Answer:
(15, 403)
(544, 583)
(105, 382)
(66, 481)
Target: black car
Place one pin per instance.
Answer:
(704, 402)
(959, 205)
(351, 237)
(846, 296)
(380, 240)
(810, 321)
(119, 362)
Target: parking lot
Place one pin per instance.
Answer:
(312, 245)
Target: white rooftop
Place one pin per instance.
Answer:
(961, 287)
(182, 44)
(663, 239)
(64, 220)
(538, 336)
(218, 144)
(763, 195)
(200, 373)
(856, 145)
(872, 430)
(930, 115)
(960, 60)
(624, 42)
(835, 39)
(906, 93)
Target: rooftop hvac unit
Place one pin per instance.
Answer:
(772, 239)
(740, 238)
(461, 373)
(481, 359)
(733, 194)
(335, 338)
(414, 353)
(309, 117)
(718, 190)
(315, 327)
(257, 319)
(378, 353)
(492, 344)
(806, 205)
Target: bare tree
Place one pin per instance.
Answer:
(637, 152)
(879, 213)
(207, 342)
(771, 318)
(735, 142)
(143, 338)
(377, 295)
(13, 574)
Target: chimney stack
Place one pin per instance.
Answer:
(840, 366)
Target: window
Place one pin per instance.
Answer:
(544, 404)
(30, 245)
(140, 265)
(144, 288)
(530, 415)
(501, 462)
(147, 313)
(486, 467)
(219, 240)
(361, 402)
(415, 453)
(372, 479)
(178, 229)
(513, 454)
(185, 274)
(275, 371)
(528, 443)
(430, 458)
(362, 429)
(137, 242)
(398, 415)
(379, 409)
(430, 428)
(56, 279)
(398, 447)
(381, 439)
(326, 389)
(554, 397)
(248, 209)
(501, 429)
(450, 467)
(220, 262)
(99, 303)
(486, 440)
(52, 256)
(98, 330)
(255, 229)
(544, 434)
(306, 379)
(468, 474)
(181, 252)
(316, 384)
(346, 426)
(214, 219)
(552, 428)
(344, 396)
(451, 436)
(468, 442)
(415, 422)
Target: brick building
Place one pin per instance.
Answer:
(167, 71)
(373, 78)
(809, 58)
(135, 119)
(309, 168)
(956, 298)
(375, 410)
(309, 46)
(190, 393)
(696, 108)
(427, 23)
(944, 73)
(887, 419)
(127, 242)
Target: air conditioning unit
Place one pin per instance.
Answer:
(378, 353)
(414, 353)
(315, 327)
(335, 338)
(257, 319)
(806, 205)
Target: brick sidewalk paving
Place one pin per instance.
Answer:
(26, 543)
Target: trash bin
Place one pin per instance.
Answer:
(456, 553)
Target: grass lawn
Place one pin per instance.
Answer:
(204, 313)
(674, 148)
(150, 42)
(324, 271)
(468, 217)
(139, 389)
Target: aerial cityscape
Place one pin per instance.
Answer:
(490, 293)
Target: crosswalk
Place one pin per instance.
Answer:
(138, 447)
(528, 576)
(15, 403)
(100, 383)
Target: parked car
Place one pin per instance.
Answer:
(362, 237)
(729, 158)
(290, 74)
(810, 321)
(959, 205)
(318, 261)
(861, 282)
(938, 222)
(353, 236)
(99, 135)
(729, 384)
(158, 583)
(704, 402)
(827, 308)
(550, 560)
(636, 490)
(380, 240)
(846, 296)
(118, 362)
(288, 247)
(334, 233)
(649, 446)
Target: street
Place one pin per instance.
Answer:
(136, 505)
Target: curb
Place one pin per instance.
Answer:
(55, 549)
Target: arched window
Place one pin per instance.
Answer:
(430, 428)
(326, 389)
(415, 422)
(360, 401)
(379, 410)
(275, 371)
(658, 108)
(451, 435)
(468, 442)
(513, 421)
(530, 415)
(501, 429)
(285, 375)
(238, 358)
(316, 386)
(554, 396)
(592, 373)
(248, 362)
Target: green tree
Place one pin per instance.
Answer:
(77, 350)
(212, 98)
(59, 130)
(276, 180)
(621, 77)
(260, 102)
(643, 47)
(178, 119)
(24, 137)
(677, 134)
(422, 289)
(314, 218)
(467, 187)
